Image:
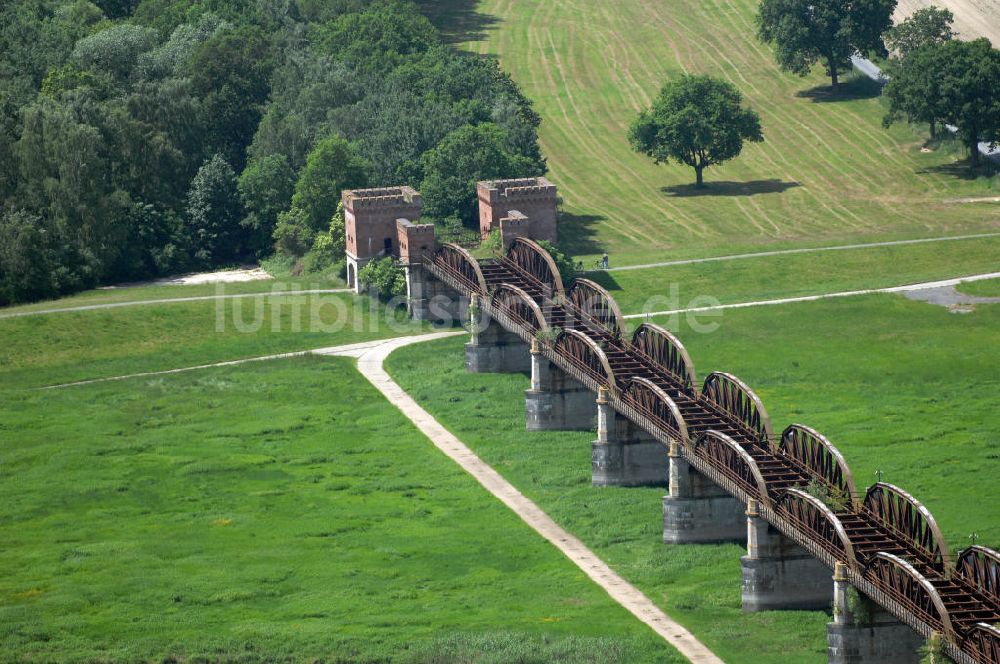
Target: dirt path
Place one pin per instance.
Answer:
(973, 18)
(370, 364)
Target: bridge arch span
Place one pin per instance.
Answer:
(652, 402)
(984, 641)
(533, 259)
(737, 470)
(519, 306)
(734, 397)
(979, 566)
(595, 301)
(667, 352)
(904, 514)
(812, 515)
(586, 356)
(460, 263)
(906, 586)
(806, 447)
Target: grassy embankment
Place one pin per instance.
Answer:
(157, 519)
(827, 173)
(902, 387)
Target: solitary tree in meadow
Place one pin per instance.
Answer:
(696, 120)
(805, 32)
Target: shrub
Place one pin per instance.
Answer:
(491, 246)
(860, 608)
(830, 496)
(292, 235)
(327, 248)
(567, 268)
(386, 276)
(933, 650)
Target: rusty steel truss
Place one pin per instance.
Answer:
(799, 482)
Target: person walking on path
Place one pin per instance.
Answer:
(604, 260)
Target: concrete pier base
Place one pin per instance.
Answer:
(697, 511)
(556, 402)
(431, 300)
(779, 574)
(876, 637)
(494, 349)
(624, 454)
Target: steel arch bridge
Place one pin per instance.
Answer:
(891, 545)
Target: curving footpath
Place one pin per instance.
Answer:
(370, 362)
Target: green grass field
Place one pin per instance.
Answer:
(65, 347)
(770, 277)
(985, 288)
(283, 511)
(276, 512)
(827, 170)
(902, 387)
(169, 291)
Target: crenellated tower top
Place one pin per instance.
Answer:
(536, 198)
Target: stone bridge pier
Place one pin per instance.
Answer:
(696, 510)
(431, 300)
(556, 401)
(623, 454)
(779, 574)
(864, 633)
(492, 348)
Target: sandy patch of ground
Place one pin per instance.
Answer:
(195, 278)
(973, 18)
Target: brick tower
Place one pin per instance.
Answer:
(370, 217)
(535, 198)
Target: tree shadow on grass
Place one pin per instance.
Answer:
(458, 20)
(962, 169)
(858, 86)
(603, 278)
(729, 188)
(577, 234)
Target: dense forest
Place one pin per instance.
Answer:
(144, 137)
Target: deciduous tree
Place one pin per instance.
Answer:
(696, 120)
(929, 25)
(466, 155)
(957, 82)
(804, 32)
(213, 213)
(332, 166)
(266, 187)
